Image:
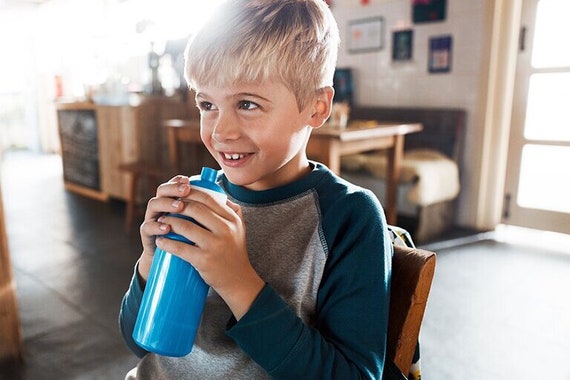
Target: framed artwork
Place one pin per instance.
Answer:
(428, 10)
(343, 85)
(365, 35)
(402, 45)
(440, 54)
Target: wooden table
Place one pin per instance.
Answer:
(327, 145)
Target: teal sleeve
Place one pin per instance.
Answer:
(128, 314)
(348, 337)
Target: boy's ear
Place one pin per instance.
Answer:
(322, 106)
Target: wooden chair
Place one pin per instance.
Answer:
(178, 132)
(137, 173)
(412, 274)
(151, 170)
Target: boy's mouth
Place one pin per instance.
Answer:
(233, 156)
(232, 159)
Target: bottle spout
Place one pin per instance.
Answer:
(208, 174)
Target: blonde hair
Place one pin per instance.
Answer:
(293, 41)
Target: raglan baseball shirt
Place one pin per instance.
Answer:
(322, 246)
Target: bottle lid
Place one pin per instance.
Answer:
(207, 180)
(209, 174)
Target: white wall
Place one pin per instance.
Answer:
(380, 81)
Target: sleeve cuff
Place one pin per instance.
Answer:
(128, 313)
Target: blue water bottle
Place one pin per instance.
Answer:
(175, 294)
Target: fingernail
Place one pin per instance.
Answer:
(182, 188)
(176, 203)
(163, 227)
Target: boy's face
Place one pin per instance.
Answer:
(256, 132)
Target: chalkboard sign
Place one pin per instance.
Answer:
(78, 133)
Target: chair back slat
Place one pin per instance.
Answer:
(412, 273)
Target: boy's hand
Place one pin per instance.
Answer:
(220, 254)
(167, 200)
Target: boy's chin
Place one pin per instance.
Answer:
(242, 178)
(236, 176)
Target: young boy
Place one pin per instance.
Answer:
(298, 260)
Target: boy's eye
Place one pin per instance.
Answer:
(247, 105)
(206, 106)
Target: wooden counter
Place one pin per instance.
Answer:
(96, 139)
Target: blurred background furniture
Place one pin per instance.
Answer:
(329, 144)
(97, 138)
(430, 172)
(11, 348)
(142, 180)
(185, 155)
(123, 152)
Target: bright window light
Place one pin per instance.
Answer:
(92, 42)
(551, 35)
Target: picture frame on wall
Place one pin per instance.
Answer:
(440, 54)
(402, 45)
(343, 85)
(365, 35)
(428, 10)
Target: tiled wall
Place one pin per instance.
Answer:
(381, 81)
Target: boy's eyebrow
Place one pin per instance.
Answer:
(236, 95)
(240, 94)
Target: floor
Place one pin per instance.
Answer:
(72, 263)
(498, 306)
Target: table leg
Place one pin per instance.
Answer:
(173, 154)
(325, 151)
(330, 155)
(395, 155)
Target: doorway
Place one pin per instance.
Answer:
(537, 186)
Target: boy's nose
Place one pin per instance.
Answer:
(225, 128)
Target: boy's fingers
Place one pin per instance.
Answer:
(154, 227)
(174, 188)
(179, 179)
(235, 207)
(158, 205)
(196, 197)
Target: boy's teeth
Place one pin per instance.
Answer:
(234, 156)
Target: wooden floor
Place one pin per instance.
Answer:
(498, 308)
